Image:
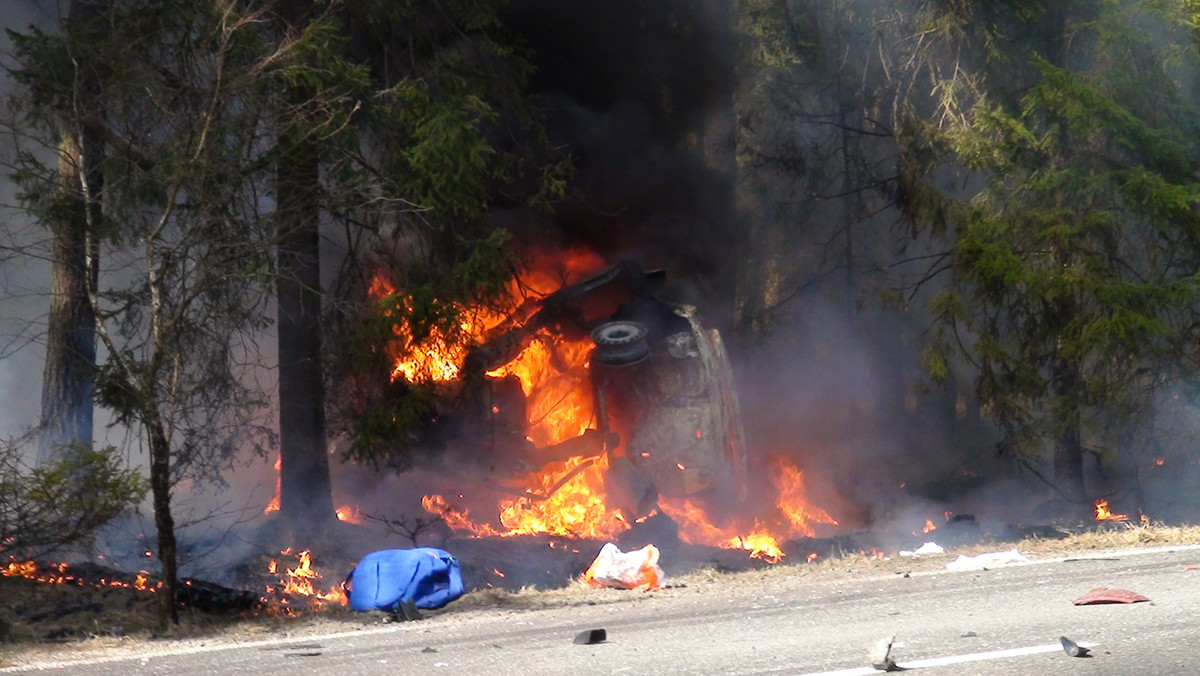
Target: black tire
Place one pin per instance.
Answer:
(620, 343)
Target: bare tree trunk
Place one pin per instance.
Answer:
(305, 489)
(164, 523)
(1067, 381)
(67, 377)
(67, 407)
(1068, 451)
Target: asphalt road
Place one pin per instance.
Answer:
(1002, 621)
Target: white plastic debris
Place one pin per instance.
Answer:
(927, 549)
(637, 569)
(985, 561)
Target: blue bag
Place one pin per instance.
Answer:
(386, 580)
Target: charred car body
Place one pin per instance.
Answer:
(665, 411)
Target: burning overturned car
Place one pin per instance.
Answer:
(664, 412)
(587, 407)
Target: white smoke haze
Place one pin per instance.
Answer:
(22, 280)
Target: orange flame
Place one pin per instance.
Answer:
(439, 355)
(553, 375)
(349, 514)
(796, 518)
(793, 500)
(273, 504)
(1102, 513)
(457, 519)
(552, 369)
(694, 525)
(568, 498)
(575, 508)
(60, 574)
(20, 569)
(565, 498)
(301, 581)
(929, 526)
(760, 544)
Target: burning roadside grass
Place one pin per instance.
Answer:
(61, 602)
(44, 619)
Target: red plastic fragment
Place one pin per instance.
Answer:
(1106, 595)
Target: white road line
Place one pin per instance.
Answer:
(953, 659)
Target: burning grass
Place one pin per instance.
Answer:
(103, 620)
(43, 622)
(61, 602)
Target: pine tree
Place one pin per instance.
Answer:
(67, 381)
(1072, 235)
(191, 92)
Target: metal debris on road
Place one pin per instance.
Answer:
(406, 611)
(1072, 648)
(881, 655)
(591, 637)
(1101, 595)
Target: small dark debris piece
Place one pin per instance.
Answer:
(591, 636)
(428, 649)
(1106, 595)
(405, 612)
(306, 654)
(968, 634)
(1073, 649)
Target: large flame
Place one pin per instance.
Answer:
(568, 498)
(553, 375)
(564, 498)
(796, 517)
(793, 500)
(576, 508)
(437, 357)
